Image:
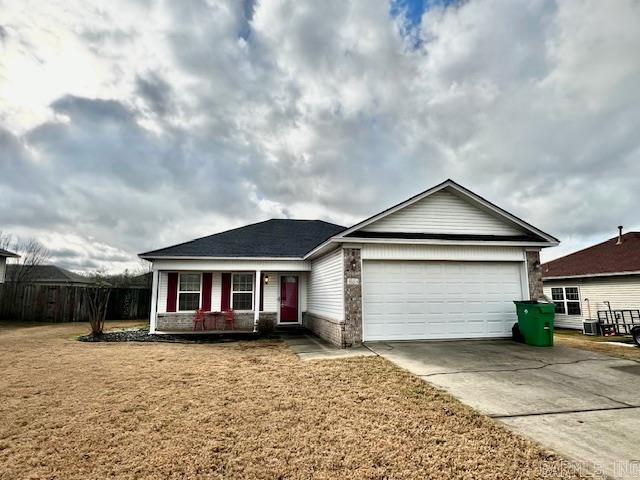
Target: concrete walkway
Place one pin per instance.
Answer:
(583, 405)
(310, 347)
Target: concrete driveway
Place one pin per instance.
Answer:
(583, 405)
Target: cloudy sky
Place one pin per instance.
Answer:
(133, 124)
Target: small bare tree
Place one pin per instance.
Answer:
(32, 254)
(6, 240)
(97, 298)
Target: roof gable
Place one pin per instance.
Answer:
(444, 212)
(275, 238)
(449, 210)
(606, 258)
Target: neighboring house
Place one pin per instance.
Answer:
(127, 280)
(45, 275)
(4, 254)
(581, 282)
(141, 281)
(443, 264)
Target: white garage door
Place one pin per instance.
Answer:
(439, 300)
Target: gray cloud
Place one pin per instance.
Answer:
(205, 115)
(156, 92)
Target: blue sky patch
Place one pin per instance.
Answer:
(414, 9)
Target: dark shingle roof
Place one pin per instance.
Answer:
(45, 274)
(7, 253)
(604, 258)
(271, 238)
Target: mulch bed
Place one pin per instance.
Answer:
(143, 335)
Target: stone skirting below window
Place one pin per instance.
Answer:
(183, 322)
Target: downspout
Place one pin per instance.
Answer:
(588, 308)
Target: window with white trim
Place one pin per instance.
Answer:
(242, 291)
(567, 300)
(188, 292)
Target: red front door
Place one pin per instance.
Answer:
(288, 298)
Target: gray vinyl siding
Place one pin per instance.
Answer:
(443, 212)
(216, 291)
(162, 292)
(326, 286)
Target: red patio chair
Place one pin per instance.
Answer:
(199, 320)
(229, 320)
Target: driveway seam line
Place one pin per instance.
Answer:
(563, 412)
(517, 369)
(370, 349)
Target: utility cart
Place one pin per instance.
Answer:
(620, 322)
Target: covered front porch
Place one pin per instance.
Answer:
(233, 300)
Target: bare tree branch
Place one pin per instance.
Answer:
(6, 240)
(32, 254)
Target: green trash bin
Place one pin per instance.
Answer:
(535, 320)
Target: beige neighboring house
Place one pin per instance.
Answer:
(580, 283)
(4, 254)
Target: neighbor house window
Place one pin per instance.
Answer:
(567, 300)
(189, 292)
(242, 291)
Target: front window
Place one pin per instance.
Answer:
(567, 300)
(557, 295)
(242, 291)
(189, 292)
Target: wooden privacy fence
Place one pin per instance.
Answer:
(56, 303)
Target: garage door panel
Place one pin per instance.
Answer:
(439, 300)
(416, 308)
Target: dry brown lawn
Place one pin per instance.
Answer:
(596, 344)
(71, 410)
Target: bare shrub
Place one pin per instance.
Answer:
(97, 299)
(265, 327)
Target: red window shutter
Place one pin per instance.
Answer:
(262, 292)
(225, 301)
(206, 291)
(172, 291)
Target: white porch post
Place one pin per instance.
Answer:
(154, 301)
(256, 301)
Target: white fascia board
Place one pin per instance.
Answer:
(324, 247)
(355, 240)
(258, 259)
(227, 264)
(433, 241)
(591, 275)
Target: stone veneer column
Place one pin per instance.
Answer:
(352, 297)
(534, 273)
